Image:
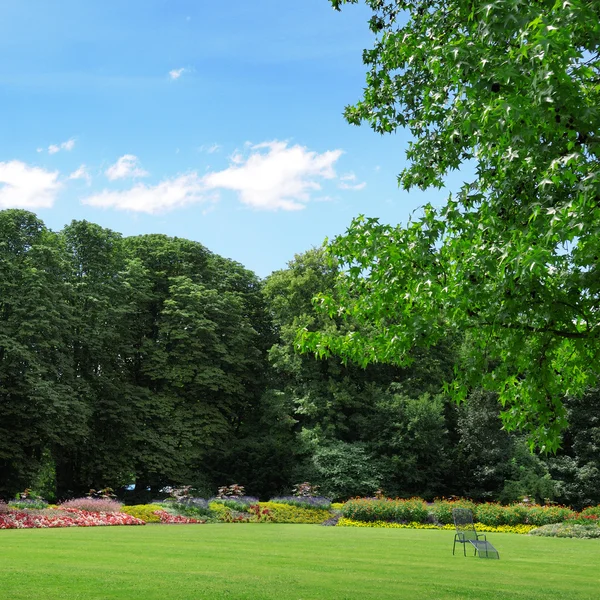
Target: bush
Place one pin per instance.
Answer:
(547, 515)
(144, 512)
(441, 510)
(195, 508)
(28, 504)
(105, 505)
(386, 509)
(239, 503)
(590, 512)
(3, 507)
(490, 514)
(289, 513)
(570, 530)
(304, 501)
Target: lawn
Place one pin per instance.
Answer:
(299, 562)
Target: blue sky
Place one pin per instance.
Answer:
(218, 122)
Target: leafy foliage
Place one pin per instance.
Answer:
(386, 509)
(509, 89)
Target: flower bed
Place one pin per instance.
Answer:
(490, 514)
(569, 530)
(522, 529)
(66, 517)
(169, 519)
(145, 512)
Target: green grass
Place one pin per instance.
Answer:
(299, 562)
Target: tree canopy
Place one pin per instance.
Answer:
(509, 89)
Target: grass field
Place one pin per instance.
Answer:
(299, 562)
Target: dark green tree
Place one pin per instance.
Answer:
(41, 406)
(343, 411)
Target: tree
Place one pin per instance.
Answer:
(345, 413)
(511, 88)
(40, 403)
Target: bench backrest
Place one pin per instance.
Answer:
(463, 521)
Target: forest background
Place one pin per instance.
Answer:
(150, 361)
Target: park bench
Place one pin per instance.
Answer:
(466, 534)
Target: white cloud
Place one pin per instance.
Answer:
(68, 145)
(275, 176)
(267, 176)
(167, 195)
(81, 173)
(126, 166)
(38, 150)
(210, 149)
(347, 182)
(177, 73)
(54, 148)
(23, 186)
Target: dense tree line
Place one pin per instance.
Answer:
(151, 361)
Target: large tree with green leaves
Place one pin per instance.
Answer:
(509, 89)
(41, 404)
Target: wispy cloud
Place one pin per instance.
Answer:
(177, 73)
(210, 148)
(348, 182)
(274, 175)
(81, 173)
(153, 199)
(54, 148)
(23, 186)
(127, 166)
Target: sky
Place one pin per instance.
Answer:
(217, 122)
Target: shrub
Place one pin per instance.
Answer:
(547, 515)
(191, 507)
(304, 501)
(145, 512)
(571, 530)
(28, 504)
(3, 507)
(238, 503)
(260, 514)
(590, 511)
(289, 513)
(441, 510)
(386, 509)
(490, 514)
(105, 505)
